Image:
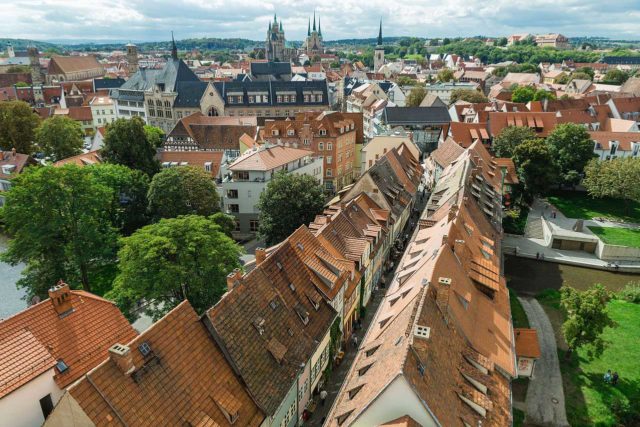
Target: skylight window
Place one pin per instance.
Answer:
(144, 349)
(61, 366)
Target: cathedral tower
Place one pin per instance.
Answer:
(313, 44)
(275, 43)
(378, 54)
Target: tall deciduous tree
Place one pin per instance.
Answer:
(59, 137)
(129, 187)
(155, 135)
(288, 202)
(616, 178)
(59, 221)
(173, 259)
(18, 125)
(416, 96)
(226, 222)
(586, 318)
(536, 168)
(509, 138)
(446, 75)
(182, 190)
(572, 148)
(126, 143)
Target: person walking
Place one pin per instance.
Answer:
(607, 376)
(323, 396)
(354, 340)
(614, 378)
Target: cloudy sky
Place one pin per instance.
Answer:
(139, 20)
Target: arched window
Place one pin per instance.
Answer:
(167, 104)
(212, 112)
(159, 103)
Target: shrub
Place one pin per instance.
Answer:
(631, 292)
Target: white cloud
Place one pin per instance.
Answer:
(153, 20)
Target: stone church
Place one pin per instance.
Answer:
(275, 47)
(313, 44)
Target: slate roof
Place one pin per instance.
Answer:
(80, 337)
(271, 70)
(189, 94)
(184, 381)
(272, 88)
(107, 83)
(621, 60)
(167, 78)
(436, 115)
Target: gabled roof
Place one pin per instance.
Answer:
(194, 158)
(84, 159)
(527, 344)
(542, 123)
(80, 337)
(18, 160)
(272, 320)
(272, 88)
(185, 380)
(73, 64)
(447, 152)
(466, 133)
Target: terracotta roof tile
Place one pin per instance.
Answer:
(527, 344)
(185, 379)
(80, 336)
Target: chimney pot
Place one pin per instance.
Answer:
(121, 355)
(261, 255)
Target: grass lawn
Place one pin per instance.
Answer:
(618, 236)
(517, 312)
(577, 204)
(588, 399)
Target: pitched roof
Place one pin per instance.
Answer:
(272, 319)
(447, 152)
(542, 123)
(266, 158)
(527, 344)
(185, 379)
(213, 133)
(73, 64)
(194, 158)
(17, 160)
(416, 115)
(624, 139)
(273, 88)
(466, 133)
(84, 159)
(80, 337)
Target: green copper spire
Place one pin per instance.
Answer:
(281, 30)
(319, 28)
(275, 18)
(314, 20)
(174, 48)
(380, 34)
(309, 27)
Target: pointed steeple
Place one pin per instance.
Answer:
(174, 48)
(275, 18)
(309, 27)
(281, 30)
(319, 28)
(314, 21)
(380, 34)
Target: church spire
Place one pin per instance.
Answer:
(281, 30)
(174, 48)
(380, 34)
(319, 28)
(309, 27)
(314, 20)
(275, 18)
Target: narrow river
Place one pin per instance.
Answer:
(11, 301)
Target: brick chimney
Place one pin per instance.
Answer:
(445, 239)
(60, 296)
(121, 355)
(261, 255)
(233, 278)
(453, 211)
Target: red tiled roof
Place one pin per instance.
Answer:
(184, 381)
(542, 123)
(527, 344)
(195, 158)
(267, 158)
(80, 336)
(84, 159)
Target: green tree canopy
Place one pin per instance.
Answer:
(523, 94)
(182, 190)
(468, 95)
(509, 138)
(226, 222)
(536, 169)
(572, 148)
(59, 137)
(446, 75)
(155, 135)
(617, 178)
(129, 187)
(416, 96)
(406, 81)
(289, 201)
(18, 125)
(615, 77)
(579, 75)
(586, 318)
(126, 143)
(173, 259)
(59, 220)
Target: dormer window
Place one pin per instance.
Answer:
(275, 132)
(291, 132)
(323, 132)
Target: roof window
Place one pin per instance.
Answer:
(61, 366)
(144, 349)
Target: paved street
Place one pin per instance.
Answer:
(545, 395)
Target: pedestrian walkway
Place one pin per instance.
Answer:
(545, 395)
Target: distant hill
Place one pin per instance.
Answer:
(22, 44)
